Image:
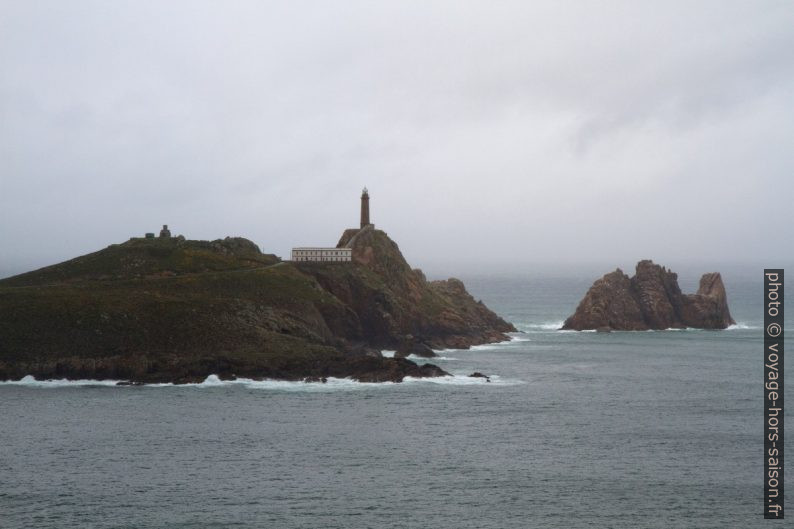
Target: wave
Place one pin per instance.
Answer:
(549, 326)
(30, 381)
(734, 327)
(484, 347)
(432, 358)
(212, 381)
(742, 326)
(464, 380)
(738, 326)
(390, 354)
(331, 384)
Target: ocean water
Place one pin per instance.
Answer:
(627, 429)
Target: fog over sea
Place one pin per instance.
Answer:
(627, 429)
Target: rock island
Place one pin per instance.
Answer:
(167, 309)
(651, 299)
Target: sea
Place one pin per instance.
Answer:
(650, 429)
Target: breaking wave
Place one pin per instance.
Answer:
(32, 382)
(549, 326)
(390, 354)
(742, 326)
(484, 347)
(463, 380)
(432, 358)
(331, 384)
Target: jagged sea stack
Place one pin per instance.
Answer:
(651, 299)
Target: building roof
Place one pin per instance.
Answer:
(322, 248)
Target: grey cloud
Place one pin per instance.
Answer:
(533, 132)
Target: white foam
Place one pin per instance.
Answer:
(735, 327)
(30, 381)
(390, 354)
(331, 384)
(530, 328)
(549, 326)
(432, 358)
(344, 384)
(464, 380)
(495, 345)
(213, 381)
(484, 347)
(741, 326)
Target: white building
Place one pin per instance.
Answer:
(322, 254)
(336, 254)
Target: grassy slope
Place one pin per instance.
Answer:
(118, 304)
(159, 310)
(149, 257)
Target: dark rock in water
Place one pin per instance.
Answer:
(604, 329)
(396, 371)
(708, 308)
(362, 349)
(651, 299)
(477, 374)
(419, 349)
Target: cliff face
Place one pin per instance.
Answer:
(651, 299)
(708, 308)
(395, 304)
(175, 310)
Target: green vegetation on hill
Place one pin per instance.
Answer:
(155, 310)
(150, 257)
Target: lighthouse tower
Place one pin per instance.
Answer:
(364, 208)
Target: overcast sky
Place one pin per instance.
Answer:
(510, 132)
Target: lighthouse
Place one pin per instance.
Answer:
(343, 251)
(364, 208)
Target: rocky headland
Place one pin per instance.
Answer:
(176, 310)
(651, 299)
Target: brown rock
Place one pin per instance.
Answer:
(610, 302)
(708, 308)
(651, 299)
(391, 300)
(177, 311)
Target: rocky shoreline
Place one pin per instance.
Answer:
(155, 311)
